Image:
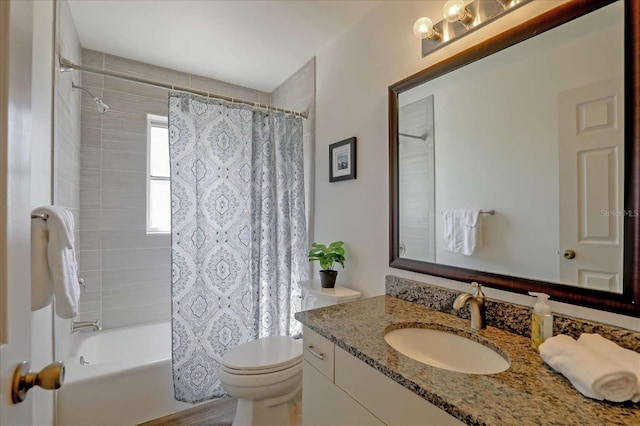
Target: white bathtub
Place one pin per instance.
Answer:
(128, 379)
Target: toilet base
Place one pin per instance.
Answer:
(256, 413)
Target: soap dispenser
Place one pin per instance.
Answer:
(541, 320)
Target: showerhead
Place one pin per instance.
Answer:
(102, 107)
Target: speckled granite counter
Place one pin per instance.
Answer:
(528, 393)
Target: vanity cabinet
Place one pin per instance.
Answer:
(339, 389)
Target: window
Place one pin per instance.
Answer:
(158, 184)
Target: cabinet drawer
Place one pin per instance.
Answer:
(319, 352)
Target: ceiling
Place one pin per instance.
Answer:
(256, 44)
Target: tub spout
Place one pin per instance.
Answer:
(80, 325)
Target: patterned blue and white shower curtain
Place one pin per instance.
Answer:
(238, 233)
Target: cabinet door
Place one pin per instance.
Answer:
(324, 404)
(388, 400)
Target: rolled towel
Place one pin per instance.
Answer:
(627, 358)
(591, 374)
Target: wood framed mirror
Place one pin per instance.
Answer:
(624, 295)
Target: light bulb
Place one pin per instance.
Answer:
(423, 28)
(455, 10)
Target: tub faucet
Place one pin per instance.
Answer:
(477, 307)
(80, 325)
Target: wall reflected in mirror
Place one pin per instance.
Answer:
(534, 132)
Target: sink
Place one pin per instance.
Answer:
(446, 350)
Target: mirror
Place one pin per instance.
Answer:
(509, 162)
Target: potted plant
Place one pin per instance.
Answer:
(328, 256)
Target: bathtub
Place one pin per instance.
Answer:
(128, 379)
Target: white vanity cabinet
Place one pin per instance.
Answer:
(339, 389)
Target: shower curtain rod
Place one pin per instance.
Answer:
(66, 66)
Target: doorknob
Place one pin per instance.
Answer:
(50, 377)
(569, 254)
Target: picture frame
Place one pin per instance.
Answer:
(342, 160)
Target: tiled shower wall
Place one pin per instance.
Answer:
(66, 138)
(417, 181)
(126, 270)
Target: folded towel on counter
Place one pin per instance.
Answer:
(627, 358)
(41, 283)
(61, 259)
(591, 374)
(462, 230)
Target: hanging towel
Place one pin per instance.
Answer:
(41, 284)
(61, 258)
(629, 359)
(592, 375)
(462, 230)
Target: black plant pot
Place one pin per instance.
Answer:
(328, 278)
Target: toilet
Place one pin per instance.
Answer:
(265, 375)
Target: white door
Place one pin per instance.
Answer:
(591, 143)
(16, 22)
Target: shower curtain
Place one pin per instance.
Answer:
(238, 233)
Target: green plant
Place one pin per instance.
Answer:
(327, 256)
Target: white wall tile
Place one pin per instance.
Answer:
(134, 258)
(90, 260)
(124, 141)
(140, 275)
(134, 239)
(118, 180)
(123, 219)
(135, 296)
(90, 240)
(124, 161)
(114, 318)
(123, 122)
(90, 301)
(92, 280)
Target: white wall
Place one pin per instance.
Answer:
(41, 85)
(353, 75)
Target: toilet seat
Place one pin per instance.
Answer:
(263, 356)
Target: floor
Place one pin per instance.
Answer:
(218, 413)
(215, 413)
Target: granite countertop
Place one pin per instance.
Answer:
(528, 393)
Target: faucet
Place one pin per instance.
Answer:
(80, 325)
(477, 307)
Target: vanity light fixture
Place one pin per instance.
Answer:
(471, 14)
(456, 11)
(423, 28)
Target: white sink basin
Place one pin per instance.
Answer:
(446, 350)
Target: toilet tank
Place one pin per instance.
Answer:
(314, 296)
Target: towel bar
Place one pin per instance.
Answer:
(40, 216)
(489, 212)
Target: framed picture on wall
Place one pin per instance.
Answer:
(342, 160)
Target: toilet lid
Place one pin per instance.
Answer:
(268, 353)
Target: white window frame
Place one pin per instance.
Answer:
(154, 121)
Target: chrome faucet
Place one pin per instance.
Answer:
(80, 325)
(477, 307)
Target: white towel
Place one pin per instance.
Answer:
(61, 258)
(627, 358)
(592, 375)
(462, 230)
(41, 283)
